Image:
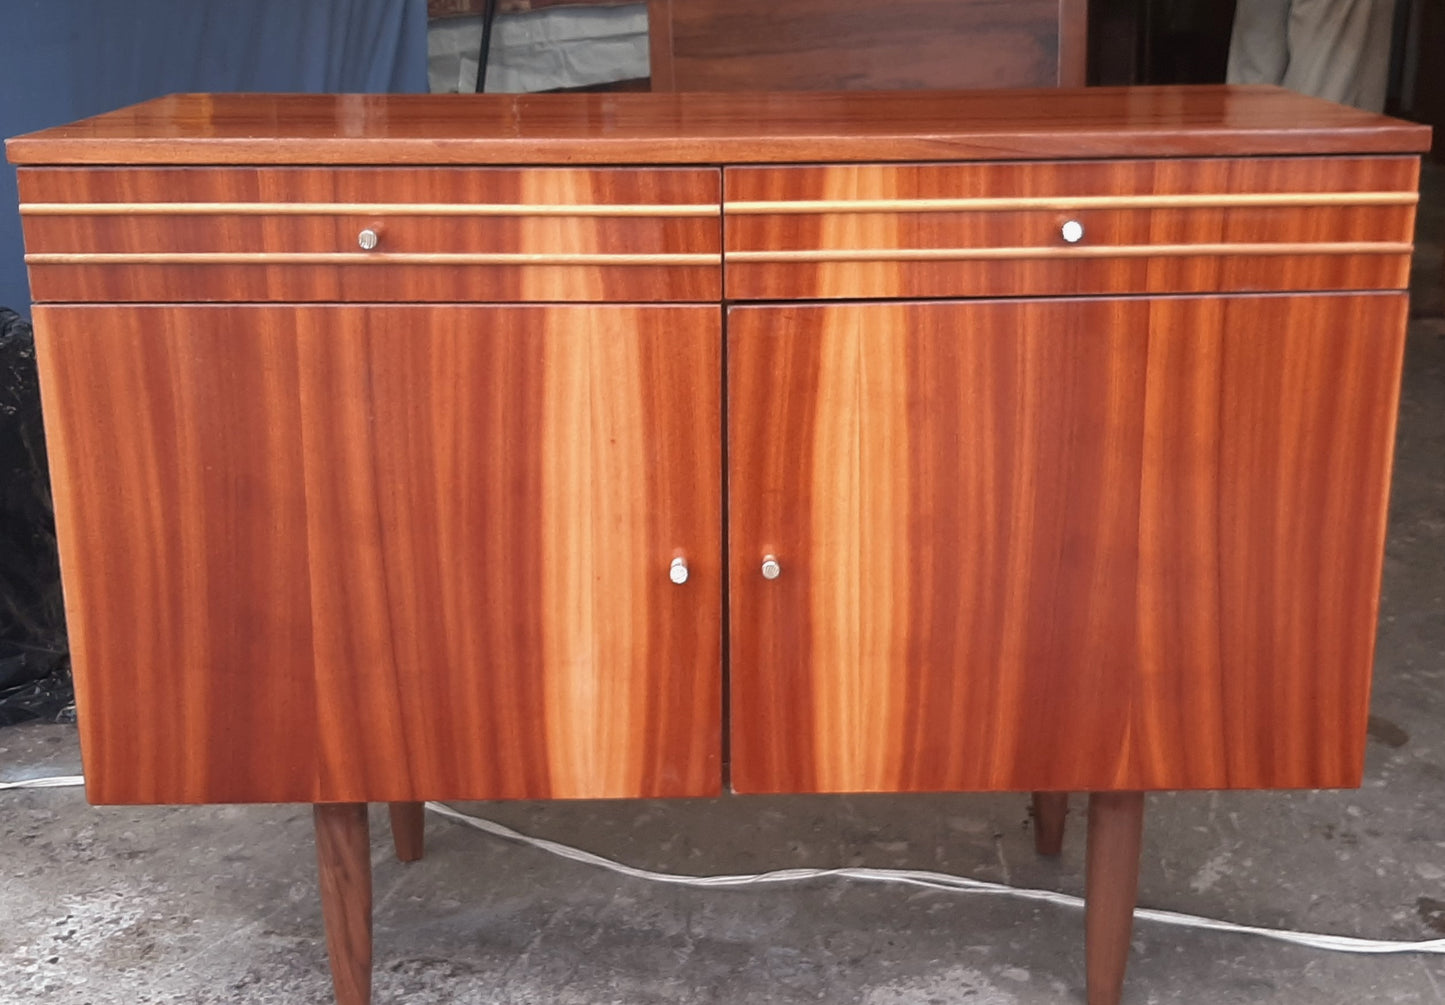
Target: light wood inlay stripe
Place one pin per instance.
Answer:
(1102, 251)
(860, 452)
(360, 209)
(1223, 200)
(364, 258)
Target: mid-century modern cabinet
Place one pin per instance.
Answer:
(414, 448)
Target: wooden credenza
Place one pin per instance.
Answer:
(413, 448)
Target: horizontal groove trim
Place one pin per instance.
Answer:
(1102, 251)
(983, 204)
(360, 209)
(365, 258)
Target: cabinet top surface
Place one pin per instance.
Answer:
(633, 128)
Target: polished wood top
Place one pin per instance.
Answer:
(717, 128)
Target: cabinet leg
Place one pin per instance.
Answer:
(343, 855)
(1111, 885)
(1050, 808)
(408, 830)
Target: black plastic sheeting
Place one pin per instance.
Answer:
(34, 656)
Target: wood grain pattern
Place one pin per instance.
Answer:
(815, 45)
(1116, 828)
(399, 259)
(1082, 251)
(1222, 200)
(1050, 812)
(408, 830)
(343, 856)
(662, 75)
(738, 128)
(1089, 544)
(368, 526)
(1073, 43)
(590, 240)
(173, 562)
(994, 229)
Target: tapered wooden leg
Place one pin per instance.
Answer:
(408, 830)
(1111, 884)
(1050, 808)
(343, 854)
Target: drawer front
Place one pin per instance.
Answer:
(975, 230)
(441, 234)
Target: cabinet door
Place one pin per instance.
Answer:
(390, 553)
(1129, 543)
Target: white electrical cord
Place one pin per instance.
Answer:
(54, 782)
(940, 881)
(908, 877)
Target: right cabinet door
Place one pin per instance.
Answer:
(1057, 544)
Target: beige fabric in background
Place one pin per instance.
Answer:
(1335, 49)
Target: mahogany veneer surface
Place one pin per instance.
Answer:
(1149, 226)
(389, 553)
(443, 234)
(739, 128)
(1057, 544)
(781, 45)
(394, 524)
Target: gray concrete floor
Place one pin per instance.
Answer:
(218, 904)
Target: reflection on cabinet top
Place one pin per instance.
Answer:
(717, 128)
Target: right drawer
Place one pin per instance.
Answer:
(1068, 227)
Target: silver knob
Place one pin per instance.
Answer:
(677, 572)
(1072, 231)
(771, 568)
(367, 239)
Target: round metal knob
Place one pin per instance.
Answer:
(677, 572)
(1072, 231)
(771, 568)
(367, 239)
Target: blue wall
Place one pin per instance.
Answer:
(65, 59)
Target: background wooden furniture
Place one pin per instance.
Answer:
(391, 476)
(810, 45)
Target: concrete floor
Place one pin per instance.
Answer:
(218, 904)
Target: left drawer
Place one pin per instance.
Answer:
(198, 234)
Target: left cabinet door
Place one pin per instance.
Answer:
(317, 553)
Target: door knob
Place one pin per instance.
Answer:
(367, 239)
(677, 572)
(1072, 231)
(771, 568)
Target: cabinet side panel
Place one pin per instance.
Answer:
(182, 524)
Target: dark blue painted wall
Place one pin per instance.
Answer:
(62, 60)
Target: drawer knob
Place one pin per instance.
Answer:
(367, 239)
(771, 568)
(1073, 231)
(677, 572)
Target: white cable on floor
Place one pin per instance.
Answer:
(939, 881)
(908, 877)
(53, 782)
